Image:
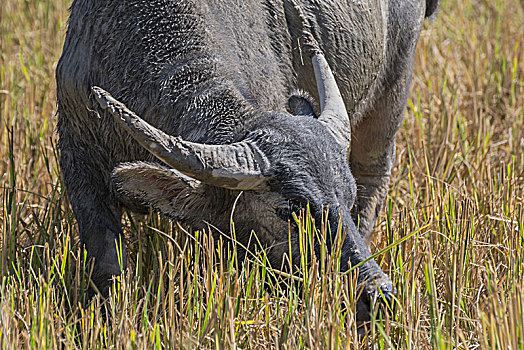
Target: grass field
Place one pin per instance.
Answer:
(453, 220)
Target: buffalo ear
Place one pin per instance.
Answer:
(166, 190)
(300, 103)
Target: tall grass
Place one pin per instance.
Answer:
(453, 222)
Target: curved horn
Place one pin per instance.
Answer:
(333, 112)
(238, 166)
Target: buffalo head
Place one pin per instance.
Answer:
(286, 161)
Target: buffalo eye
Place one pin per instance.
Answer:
(292, 206)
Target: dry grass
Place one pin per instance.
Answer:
(455, 211)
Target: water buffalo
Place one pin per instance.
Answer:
(212, 85)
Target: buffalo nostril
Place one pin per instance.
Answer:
(386, 293)
(375, 295)
(383, 295)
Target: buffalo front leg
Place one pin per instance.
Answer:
(98, 216)
(372, 176)
(373, 139)
(373, 153)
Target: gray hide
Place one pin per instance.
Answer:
(222, 72)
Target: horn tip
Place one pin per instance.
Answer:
(103, 97)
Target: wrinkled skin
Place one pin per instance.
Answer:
(222, 73)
